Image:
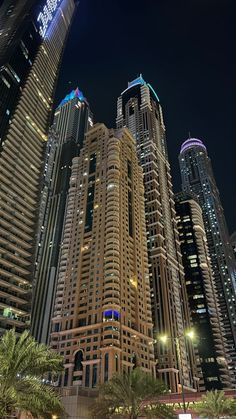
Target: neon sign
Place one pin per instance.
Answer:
(46, 15)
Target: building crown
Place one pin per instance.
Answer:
(73, 95)
(140, 81)
(190, 143)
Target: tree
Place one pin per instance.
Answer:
(24, 368)
(130, 396)
(215, 405)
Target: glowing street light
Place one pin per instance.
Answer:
(164, 338)
(190, 334)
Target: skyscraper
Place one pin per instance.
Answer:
(197, 177)
(204, 307)
(139, 109)
(102, 315)
(72, 119)
(19, 43)
(21, 166)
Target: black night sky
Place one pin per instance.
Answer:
(185, 48)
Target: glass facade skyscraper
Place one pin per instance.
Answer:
(21, 163)
(139, 109)
(206, 317)
(72, 119)
(198, 178)
(19, 43)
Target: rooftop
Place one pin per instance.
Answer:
(140, 81)
(73, 95)
(191, 143)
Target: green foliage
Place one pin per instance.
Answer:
(130, 396)
(214, 405)
(23, 365)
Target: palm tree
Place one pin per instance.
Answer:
(214, 405)
(130, 396)
(24, 364)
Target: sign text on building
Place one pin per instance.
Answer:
(46, 15)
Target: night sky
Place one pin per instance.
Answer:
(186, 49)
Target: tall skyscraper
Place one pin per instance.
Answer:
(21, 166)
(139, 109)
(204, 307)
(19, 43)
(197, 177)
(102, 315)
(72, 119)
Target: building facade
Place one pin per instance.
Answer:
(19, 43)
(21, 167)
(102, 314)
(204, 307)
(233, 242)
(72, 119)
(139, 109)
(198, 178)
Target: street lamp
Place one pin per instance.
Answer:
(190, 334)
(164, 338)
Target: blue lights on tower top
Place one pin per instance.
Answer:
(75, 94)
(140, 81)
(153, 91)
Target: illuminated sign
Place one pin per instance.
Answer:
(45, 17)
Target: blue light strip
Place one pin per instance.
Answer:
(153, 91)
(138, 81)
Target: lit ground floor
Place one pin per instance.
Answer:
(78, 402)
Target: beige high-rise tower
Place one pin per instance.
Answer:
(139, 109)
(102, 315)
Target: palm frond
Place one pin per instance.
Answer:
(214, 405)
(130, 395)
(23, 364)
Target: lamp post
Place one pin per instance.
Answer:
(176, 339)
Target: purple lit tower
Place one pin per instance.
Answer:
(197, 177)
